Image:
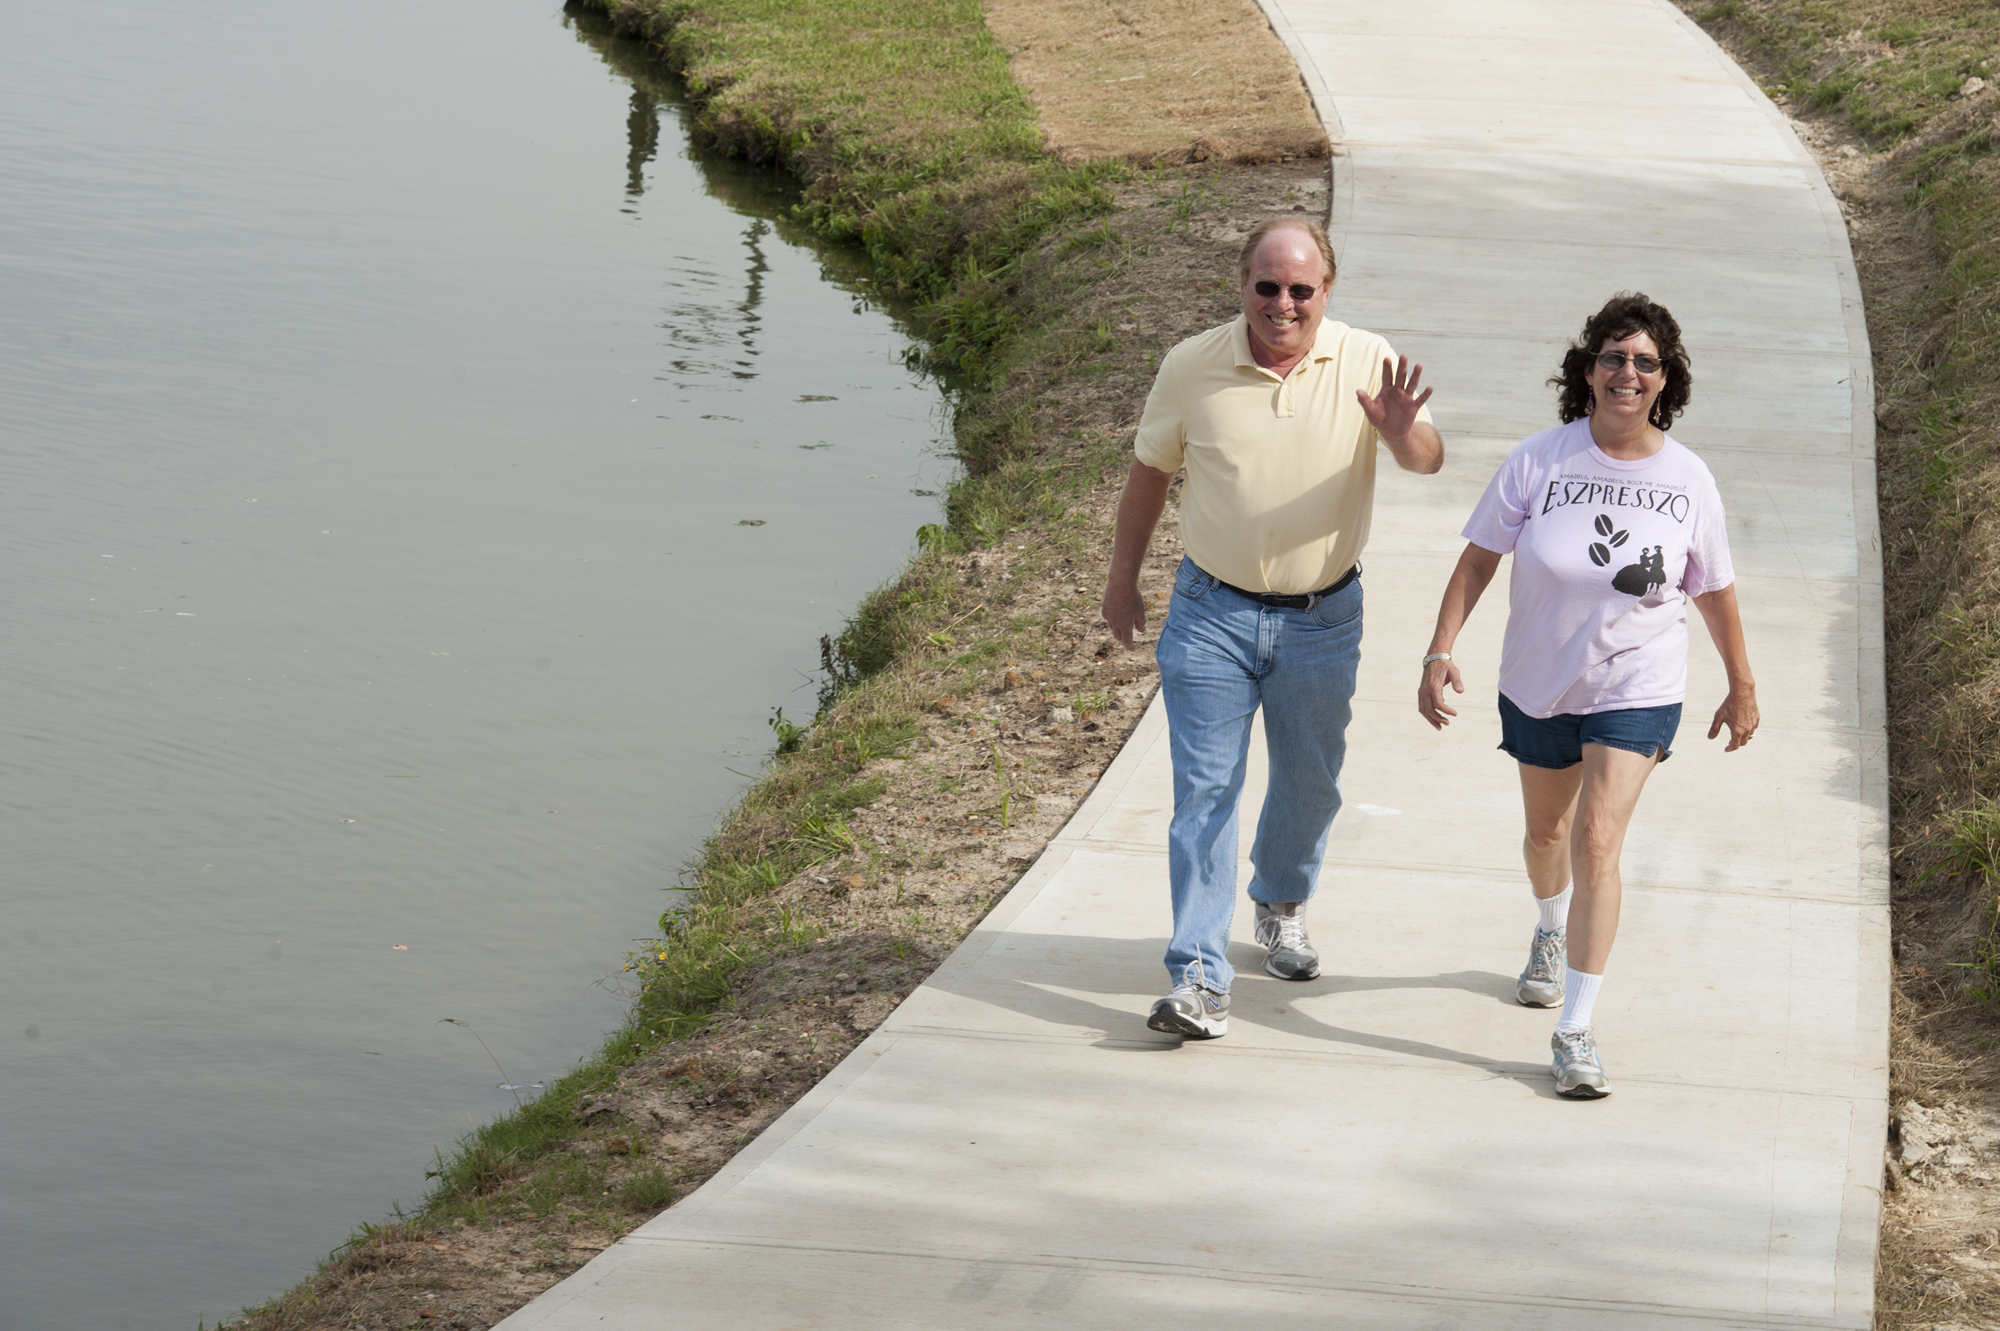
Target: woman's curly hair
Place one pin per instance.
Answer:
(1624, 314)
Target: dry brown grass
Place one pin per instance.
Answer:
(1158, 80)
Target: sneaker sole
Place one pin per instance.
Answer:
(1526, 998)
(1583, 1091)
(1313, 974)
(1173, 1023)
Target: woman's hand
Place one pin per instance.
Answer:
(1476, 567)
(1725, 629)
(1430, 693)
(1739, 713)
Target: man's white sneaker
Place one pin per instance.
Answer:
(1281, 928)
(1191, 1010)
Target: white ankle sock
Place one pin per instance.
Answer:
(1555, 910)
(1579, 997)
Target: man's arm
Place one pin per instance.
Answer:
(1139, 509)
(1393, 412)
(1421, 450)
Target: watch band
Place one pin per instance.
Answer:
(1435, 656)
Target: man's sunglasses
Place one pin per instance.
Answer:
(1615, 360)
(1269, 291)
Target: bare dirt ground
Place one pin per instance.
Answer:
(1158, 80)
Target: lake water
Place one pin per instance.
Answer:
(384, 391)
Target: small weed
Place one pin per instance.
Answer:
(794, 932)
(824, 836)
(790, 735)
(649, 1191)
(1971, 843)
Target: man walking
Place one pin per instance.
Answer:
(1275, 416)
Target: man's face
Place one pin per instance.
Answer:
(1282, 327)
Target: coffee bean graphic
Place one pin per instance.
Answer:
(1599, 554)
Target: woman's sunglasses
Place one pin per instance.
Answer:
(1269, 291)
(1615, 360)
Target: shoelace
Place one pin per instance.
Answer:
(1542, 957)
(1291, 932)
(1578, 1047)
(1194, 981)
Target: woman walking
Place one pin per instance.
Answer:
(1611, 523)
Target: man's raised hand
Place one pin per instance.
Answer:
(1393, 411)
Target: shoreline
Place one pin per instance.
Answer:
(973, 699)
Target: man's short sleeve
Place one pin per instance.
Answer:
(1496, 521)
(1162, 438)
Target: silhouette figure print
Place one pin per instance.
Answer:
(1636, 579)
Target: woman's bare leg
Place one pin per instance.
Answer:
(1608, 793)
(1548, 796)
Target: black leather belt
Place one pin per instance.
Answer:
(1298, 600)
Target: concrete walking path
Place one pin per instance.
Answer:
(1382, 1148)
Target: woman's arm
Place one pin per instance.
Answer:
(1725, 629)
(1476, 568)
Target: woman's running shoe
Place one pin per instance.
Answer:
(1541, 984)
(1579, 1073)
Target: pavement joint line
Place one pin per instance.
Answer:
(1474, 874)
(1476, 333)
(1525, 430)
(1236, 1275)
(1751, 251)
(1497, 146)
(1470, 1065)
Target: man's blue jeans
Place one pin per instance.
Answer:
(1221, 655)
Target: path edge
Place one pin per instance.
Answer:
(1340, 194)
(1859, 1245)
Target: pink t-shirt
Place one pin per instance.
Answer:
(1603, 552)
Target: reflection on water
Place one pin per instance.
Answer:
(642, 131)
(381, 631)
(715, 323)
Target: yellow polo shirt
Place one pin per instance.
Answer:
(1280, 472)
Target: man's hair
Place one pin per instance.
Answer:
(1297, 222)
(1625, 314)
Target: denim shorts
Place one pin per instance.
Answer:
(1557, 741)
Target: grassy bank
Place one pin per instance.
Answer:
(1897, 100)
(968, 704)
